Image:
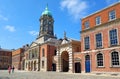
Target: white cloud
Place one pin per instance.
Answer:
(76, 8)
(111, 1)
(10, 28)
(34, 33)
(3, 18)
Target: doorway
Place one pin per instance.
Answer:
(77, 67)
(87, 63)
(53, 67)
(65, 61)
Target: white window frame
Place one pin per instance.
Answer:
(111, 59)
(84, 43)
(110, 39)
(110, 16)
(98, 20)
(96, 42)
(87, 24)
(97, 61)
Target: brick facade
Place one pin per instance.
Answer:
(5, 58)
(104, 15)
(49, 51)
(17, 58)
(106, 50)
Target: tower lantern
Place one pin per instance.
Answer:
(46, 25)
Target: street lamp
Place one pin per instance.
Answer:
(38, 44)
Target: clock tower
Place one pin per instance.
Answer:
(46, 25)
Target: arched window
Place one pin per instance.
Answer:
(99, 59)
(115, 58)
(43, 52)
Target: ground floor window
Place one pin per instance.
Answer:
(115, 58)
(99, 59)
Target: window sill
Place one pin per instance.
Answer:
(98, 24)
(115, 66)
(112, 19)
(87, 28)
(100, 67)
(87, 49)
(99, 47)
(113, 45)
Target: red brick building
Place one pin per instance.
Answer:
(100, 40)
(47, 51)
(5, 58)
(17, 56)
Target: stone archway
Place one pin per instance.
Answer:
(65, 61)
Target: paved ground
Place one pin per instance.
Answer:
(52, 75)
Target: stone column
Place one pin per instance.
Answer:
(25, 65)
(58, 67)
(70, 62)
(37, 65)
(33, 65)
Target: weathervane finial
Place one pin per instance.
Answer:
(64, 35)
(47, 6)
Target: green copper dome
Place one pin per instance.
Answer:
(46, 12)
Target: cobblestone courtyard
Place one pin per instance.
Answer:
(52, 75)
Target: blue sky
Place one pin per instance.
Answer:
(19, 19)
